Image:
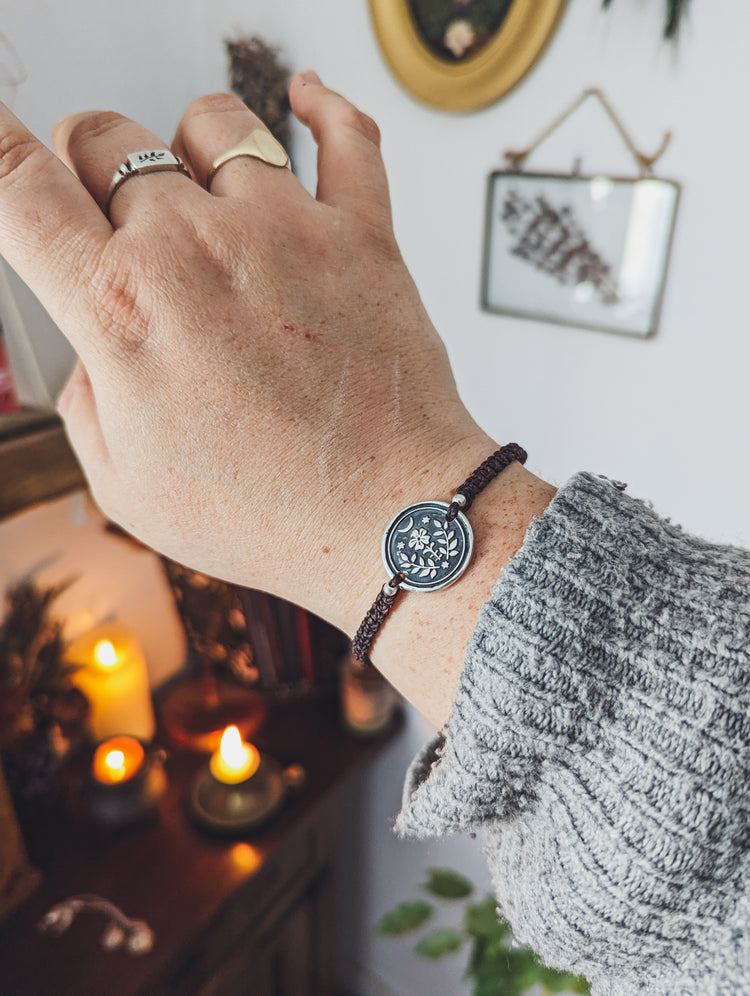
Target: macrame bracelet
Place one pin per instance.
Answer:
(428, 546)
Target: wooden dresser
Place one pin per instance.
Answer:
(254, 917)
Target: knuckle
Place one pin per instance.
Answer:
(215, 103)
(20, 155)
(121, 307)
(352, 117)
(219, 254)
(95, 125)
(379, 241)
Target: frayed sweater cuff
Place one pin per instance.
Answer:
(600, 587)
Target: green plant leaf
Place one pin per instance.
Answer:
(496, 974)
(493, 987)
(514, 971)
(482, 920)
(447, 884)
(578, 984)
(440, 942)
(405, 917)
(560, 982)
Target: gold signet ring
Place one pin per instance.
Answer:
(259, 144)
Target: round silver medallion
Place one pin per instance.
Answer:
(429, 551)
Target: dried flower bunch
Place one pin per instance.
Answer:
(213, 620)
(258, 77)
(35, 687)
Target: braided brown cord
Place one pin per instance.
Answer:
(375, 618)
(378, 613)
(482, 476)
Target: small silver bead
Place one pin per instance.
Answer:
(459, 500)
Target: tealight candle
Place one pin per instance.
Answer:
(117, 760)
(235, 761)
(239, 788)
(112, 675)
(125, 782)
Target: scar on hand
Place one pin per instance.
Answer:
(303, 333)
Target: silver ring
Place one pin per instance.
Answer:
(147, 161)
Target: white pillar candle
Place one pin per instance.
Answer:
(112, 675)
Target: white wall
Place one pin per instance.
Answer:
(80, 55)
(667, 415)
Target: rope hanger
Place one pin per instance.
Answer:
(645, 163)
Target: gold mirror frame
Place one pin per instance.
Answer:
(478, 80)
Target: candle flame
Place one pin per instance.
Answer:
(115, 760)
(105, 653)
(234, 761)
(232, 750)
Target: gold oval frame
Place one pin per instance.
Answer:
(478, 80)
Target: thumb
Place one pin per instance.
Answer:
(351, 173)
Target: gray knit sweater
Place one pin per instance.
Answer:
(600, 738)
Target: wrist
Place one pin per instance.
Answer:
(415, 471)
(420, 646)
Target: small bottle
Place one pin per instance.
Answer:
(368, 701)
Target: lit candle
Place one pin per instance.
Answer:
(235, 761)
(117, 760)
(112, 675)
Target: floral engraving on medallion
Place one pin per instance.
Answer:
(430, 552)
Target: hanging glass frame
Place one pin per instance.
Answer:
(589, 251)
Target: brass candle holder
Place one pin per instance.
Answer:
(240, 788)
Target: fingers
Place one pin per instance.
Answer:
(211, 126)
(350, 168)
(95, 144)
(51, 231)
(52, 228)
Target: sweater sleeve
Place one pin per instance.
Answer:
(600, 739)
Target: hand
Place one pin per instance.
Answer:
(259, 388)
(257, 372)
